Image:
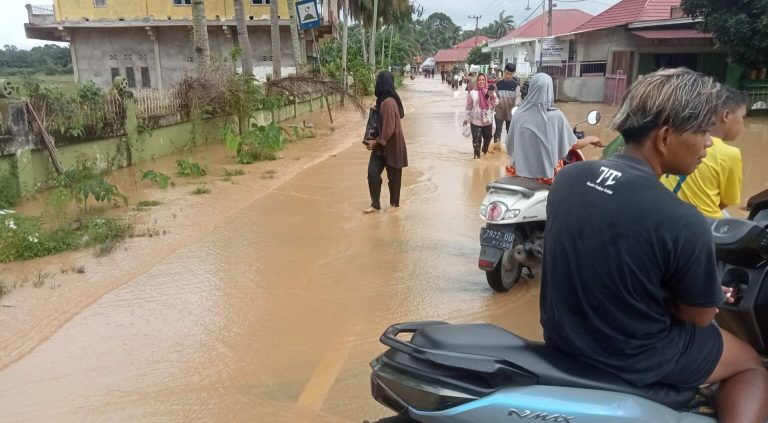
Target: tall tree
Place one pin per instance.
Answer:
(441, 29)
(502, 25)
(345, 45)
(740, 26)
(298, 60)
(274, 21)
(246, 56)
(200, 35)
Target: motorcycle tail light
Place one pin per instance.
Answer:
(495, 212)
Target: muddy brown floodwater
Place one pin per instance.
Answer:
(265, 301)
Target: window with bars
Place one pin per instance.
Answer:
(182, 2)
(99, 3)
(115, 72)
(145, 81)
(130, 77)
(260, 2)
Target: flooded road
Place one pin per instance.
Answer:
(271, 308)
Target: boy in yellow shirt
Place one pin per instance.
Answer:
(716, 183)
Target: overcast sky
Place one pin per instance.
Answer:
(14, 15)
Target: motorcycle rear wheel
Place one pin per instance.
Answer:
(508, 271)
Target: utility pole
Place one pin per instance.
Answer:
(549, 20)
(477, 18)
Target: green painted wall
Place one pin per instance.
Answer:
(34, 166)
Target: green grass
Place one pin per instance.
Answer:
(23, 237)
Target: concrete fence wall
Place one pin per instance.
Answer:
(22, 154)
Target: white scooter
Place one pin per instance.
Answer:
(515, 211)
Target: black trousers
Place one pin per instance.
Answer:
(497, 133)
(376, 166)
(481, 138)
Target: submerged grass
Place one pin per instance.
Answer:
(144, 205)
(201, 190)
(23, 237)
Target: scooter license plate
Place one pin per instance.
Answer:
(498, 239)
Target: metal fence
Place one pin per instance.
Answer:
(615, 88)
(758, 100)
(42, 9)
(593, 68)
(576, 69)
(151, 103)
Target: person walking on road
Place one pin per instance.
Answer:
(388, 151)
(508, 91)
(481, 102)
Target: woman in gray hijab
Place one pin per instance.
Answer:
(540, 136)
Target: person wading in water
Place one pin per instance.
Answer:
(388, 150)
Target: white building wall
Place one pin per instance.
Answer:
(99, 50)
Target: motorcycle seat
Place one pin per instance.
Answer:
(552, 367)
(519, 181)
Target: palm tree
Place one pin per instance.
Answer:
(274, 21)
(501, 26)
(297, 59)
(200, 36)
(246, 56)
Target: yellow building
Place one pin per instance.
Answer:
(149, 41)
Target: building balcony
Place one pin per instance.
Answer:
(41, 14)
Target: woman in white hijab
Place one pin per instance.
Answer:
(540, 136)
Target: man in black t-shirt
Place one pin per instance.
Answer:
(629, 280)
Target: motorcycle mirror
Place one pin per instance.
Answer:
(514, 109)
(593, 117)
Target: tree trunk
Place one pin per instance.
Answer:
(373, 33)
(274, 19)
(200, 35)
(297, 59)
(246, 55)
(365, 50)
(345, 46)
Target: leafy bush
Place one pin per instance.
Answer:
(84, 181)
(160, 179)
(258, 143)
(186, 167)
(74, 114)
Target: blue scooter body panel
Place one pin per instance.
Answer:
(558, 404)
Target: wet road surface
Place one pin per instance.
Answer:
(273, 312)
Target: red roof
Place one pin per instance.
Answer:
(670, 33)
(563, 22)
(630, 11)
(470, 43)
(452, 54)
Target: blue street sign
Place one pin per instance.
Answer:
(306, 11)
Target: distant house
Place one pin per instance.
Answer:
(149, 42)
(447, 58)
(632, 38)
(519, 45)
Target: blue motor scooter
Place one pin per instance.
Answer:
(477, 373)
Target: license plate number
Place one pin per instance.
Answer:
(498, 239)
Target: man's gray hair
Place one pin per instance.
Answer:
(679, 98)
